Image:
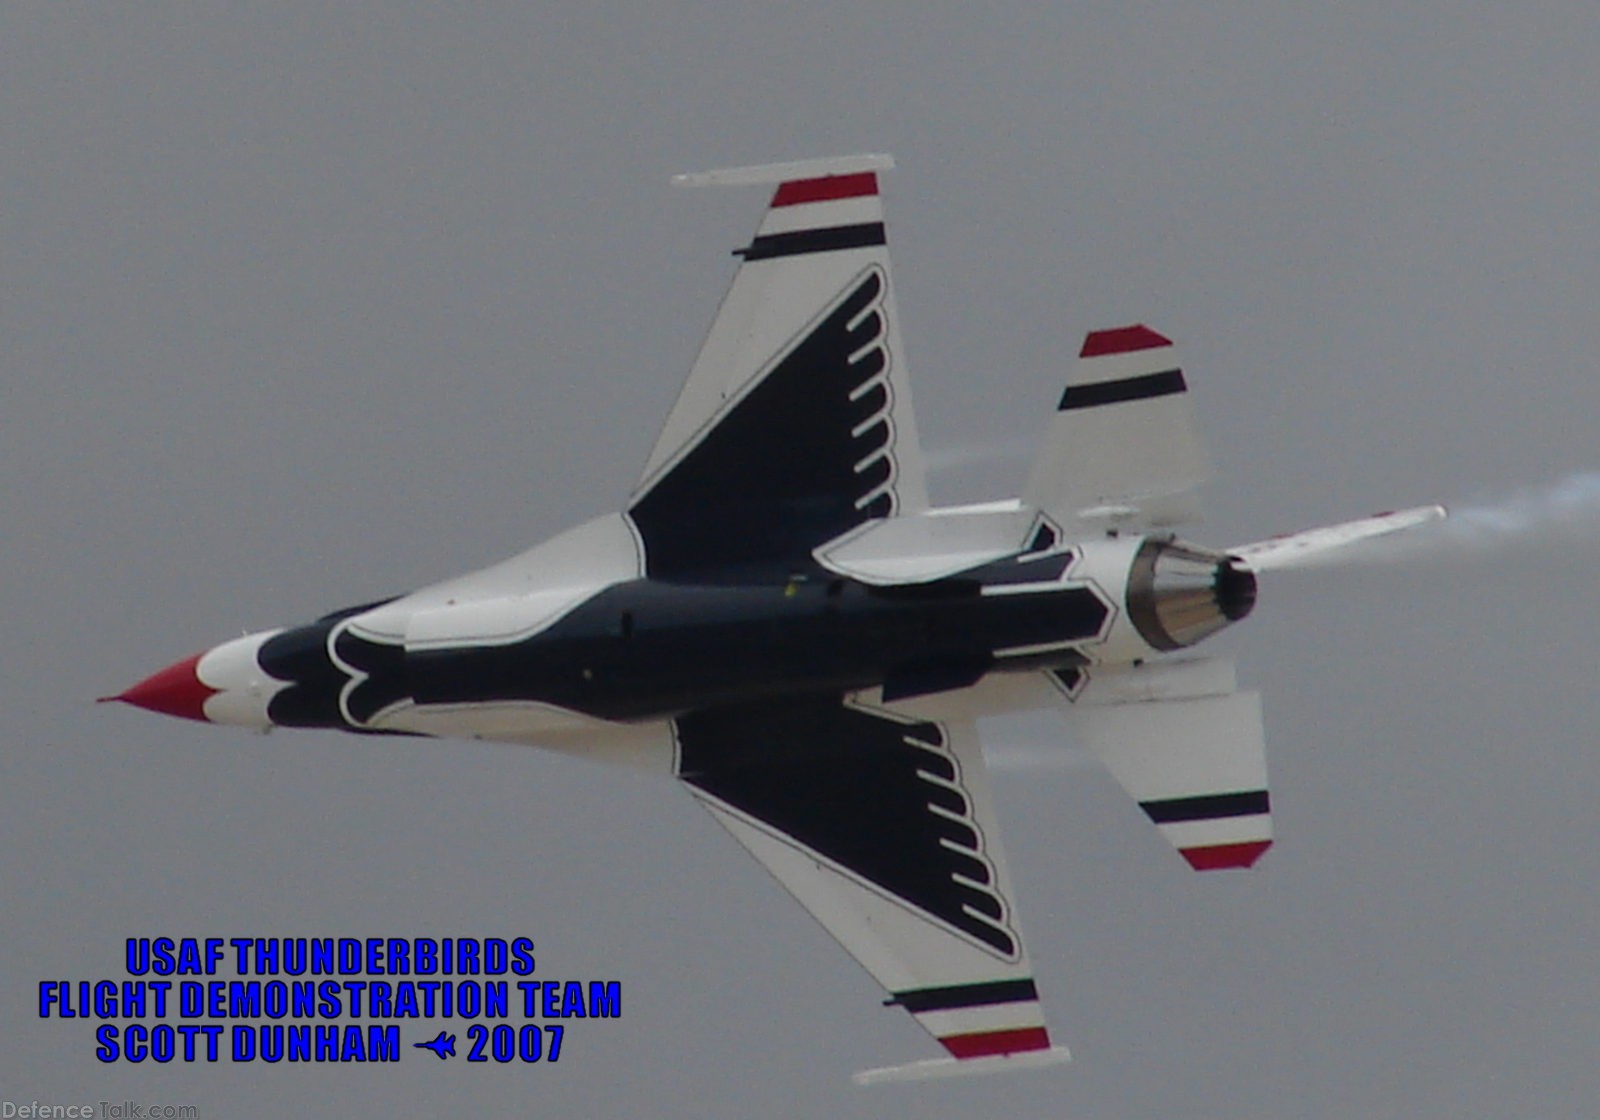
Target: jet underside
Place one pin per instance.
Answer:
(779, 619)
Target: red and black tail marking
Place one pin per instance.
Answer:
(1143, 386)
(1214, 807)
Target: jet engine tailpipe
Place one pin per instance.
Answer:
(1179, 594)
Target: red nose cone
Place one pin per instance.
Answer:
(175, 691)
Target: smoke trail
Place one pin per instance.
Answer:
(1567, 510)
(1570, 508)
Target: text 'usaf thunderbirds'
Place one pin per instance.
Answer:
(780, 620)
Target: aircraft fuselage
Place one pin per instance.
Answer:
(647, 649)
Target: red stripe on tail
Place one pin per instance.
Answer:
(986, 1044)
(1219, 856)
(1122, 340)
(826, 189)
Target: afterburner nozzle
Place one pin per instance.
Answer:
(1179, 594)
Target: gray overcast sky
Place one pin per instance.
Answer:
(307, 304)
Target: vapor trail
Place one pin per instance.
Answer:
(1566, 511)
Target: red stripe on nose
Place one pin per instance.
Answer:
(175, 691)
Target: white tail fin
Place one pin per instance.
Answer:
(1122, 451)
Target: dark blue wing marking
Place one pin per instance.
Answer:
(805, 455)
(877, 795)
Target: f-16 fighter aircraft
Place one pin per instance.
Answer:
(780, 620)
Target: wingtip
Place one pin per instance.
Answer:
(769, 173)
(963, 1067)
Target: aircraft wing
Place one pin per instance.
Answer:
(883, 828)
(795, 424)
(1122, 451)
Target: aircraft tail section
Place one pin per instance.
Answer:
(1122, 452)
(1190, 750)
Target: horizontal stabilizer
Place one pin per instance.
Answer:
(1190, 751)
(959, 1067)
(1308, 548)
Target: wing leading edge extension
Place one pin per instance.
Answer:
(883, 828)
(795, 424)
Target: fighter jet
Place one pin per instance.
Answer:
(779, 619)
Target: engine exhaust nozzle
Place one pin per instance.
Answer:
(1179, 594)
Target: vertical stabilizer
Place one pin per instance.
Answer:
(1122, 451)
